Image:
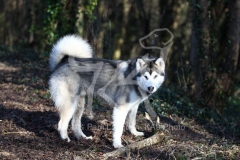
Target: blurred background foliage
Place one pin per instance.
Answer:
(202, 68)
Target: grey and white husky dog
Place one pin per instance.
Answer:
(122, 84)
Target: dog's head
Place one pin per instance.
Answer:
(150, 73)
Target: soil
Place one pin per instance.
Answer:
(28, 125)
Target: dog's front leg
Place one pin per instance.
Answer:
(119, 116)
(132, 121)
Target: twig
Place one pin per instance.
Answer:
(15, 133)
(197, 158)
(18, 104)
(156, 138)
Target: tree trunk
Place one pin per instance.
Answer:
(233, 40)
(199, 46)
(126, 8)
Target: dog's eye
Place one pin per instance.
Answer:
(162, 74)
(155, 76)
(146, 77)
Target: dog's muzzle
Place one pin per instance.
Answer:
(150, 89)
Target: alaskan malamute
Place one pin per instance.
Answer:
(122, 84)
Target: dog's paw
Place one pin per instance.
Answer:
(64, 136)
(89, 137)
(138, 133)
(66, 139)
(90, 117)
(116, 146)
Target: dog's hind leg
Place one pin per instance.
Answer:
(66, 112)
(76, 121)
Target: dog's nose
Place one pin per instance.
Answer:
(151, 88)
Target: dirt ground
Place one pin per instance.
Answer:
(28, 122)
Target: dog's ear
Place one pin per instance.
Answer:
(160, 63)
(139, 64)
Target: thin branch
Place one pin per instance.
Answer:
(15, 133)
(156, 138)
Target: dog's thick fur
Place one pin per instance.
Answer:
(122, 84)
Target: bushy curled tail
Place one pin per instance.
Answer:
(69, 45)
